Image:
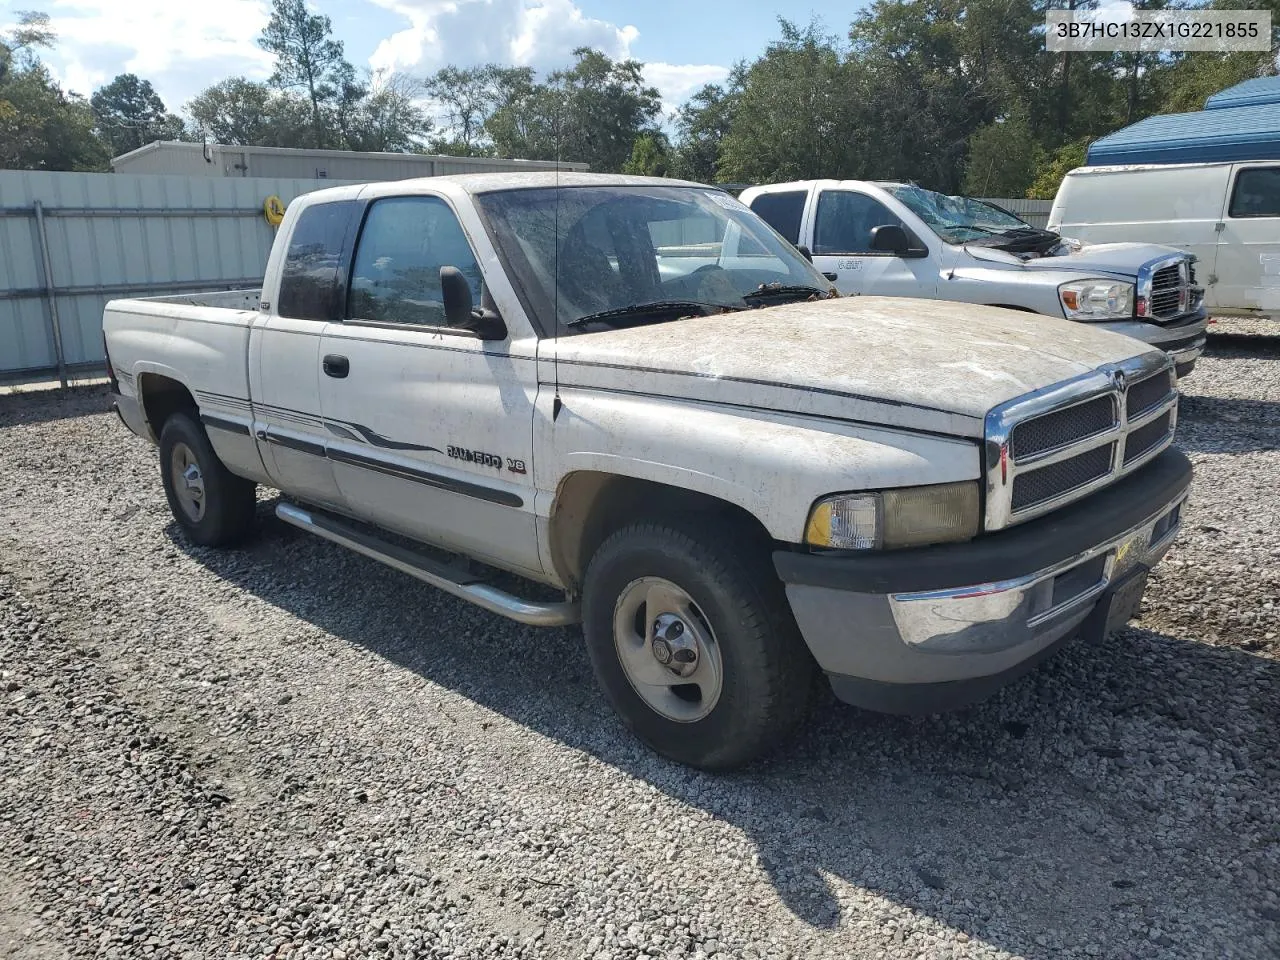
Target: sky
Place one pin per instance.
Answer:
(183, 46)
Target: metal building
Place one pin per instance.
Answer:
(220, 160)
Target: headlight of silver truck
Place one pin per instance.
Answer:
(1096, 299)
(907, 517)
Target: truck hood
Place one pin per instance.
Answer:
(927, 365)
(1115, 259)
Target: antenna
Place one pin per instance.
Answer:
(555, 344)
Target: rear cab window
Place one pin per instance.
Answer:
(783, 211)
(316, 258)
(1256, 193)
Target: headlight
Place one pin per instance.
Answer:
(1096, 300)
(909, 517)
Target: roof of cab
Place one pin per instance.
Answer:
(476, 183)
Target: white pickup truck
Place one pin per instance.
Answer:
(900, 240)
(635, 393)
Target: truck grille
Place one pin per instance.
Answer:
(1037, 486)
(1056, 445)
(1062, 427)
(1167, 288)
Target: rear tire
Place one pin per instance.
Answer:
(214, 506)
(713, 600)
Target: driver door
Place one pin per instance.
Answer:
(843, 220)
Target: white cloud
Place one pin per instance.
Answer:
(182, 46)
(678, 81)
(535, 33)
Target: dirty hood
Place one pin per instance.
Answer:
(1115, 259)
(916, 364)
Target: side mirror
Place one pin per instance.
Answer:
(892, 238)
(806, 253)
(459, 309)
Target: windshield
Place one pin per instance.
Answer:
(957, 219)
(624, 250)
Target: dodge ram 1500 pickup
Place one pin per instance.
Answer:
(634, 393)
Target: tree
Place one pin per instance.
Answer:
(701, 126)
(129, 114)
(388, 117)
(469, 96)
(591, 112)
(239, 111)
(310, 60)
(650, 155)
(41, 127)
(795, 112)
(1064, 160)
(1003, 159)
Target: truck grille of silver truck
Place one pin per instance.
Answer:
(1167, 288)
(1056, 445)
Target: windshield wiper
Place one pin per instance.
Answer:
(779, 289)
(657, 307)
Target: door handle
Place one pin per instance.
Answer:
(833, 277)
(336, 365)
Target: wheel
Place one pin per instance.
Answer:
(692, 641)
(214, 506)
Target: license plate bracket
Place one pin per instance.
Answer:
(1123, 599)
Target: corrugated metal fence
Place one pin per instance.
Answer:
(1035, 212)
(69, 242)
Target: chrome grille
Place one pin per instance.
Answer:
(1062, 427)
(1047, 483)
(1141, 440)
(1054, 446)
(1148, 393)
(1167, 288)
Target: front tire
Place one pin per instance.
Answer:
(692, 641)
(214, 506)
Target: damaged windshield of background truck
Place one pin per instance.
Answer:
(622, 246)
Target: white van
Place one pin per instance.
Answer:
(1227, 214)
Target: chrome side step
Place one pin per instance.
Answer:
(449, 580)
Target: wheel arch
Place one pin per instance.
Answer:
(590, 505)
(161, 397)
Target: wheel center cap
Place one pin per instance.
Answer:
(674, 645)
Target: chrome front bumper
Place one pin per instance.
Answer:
(990, 617)
(1183, 339)
(934, 628)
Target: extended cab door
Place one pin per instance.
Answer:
(284, 352)
(842, 224)
(431, 429)
(1248, 259)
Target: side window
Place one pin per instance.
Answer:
(396, 275)
(1256, 194)
(309, 280)
(844, 222)
(782, 211)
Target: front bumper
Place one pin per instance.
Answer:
(1183, 338)
(930, 629)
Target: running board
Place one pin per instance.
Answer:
(430, 571)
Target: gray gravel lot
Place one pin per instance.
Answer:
(288, 750)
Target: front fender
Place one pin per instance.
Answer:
(772, 465)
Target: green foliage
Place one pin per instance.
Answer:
(309, 60)
(1065, 159)
(41, 127)
(468, 97)
(701, 126)
(1003, 159)
(650, 156)
(129, 114)
(592, 112)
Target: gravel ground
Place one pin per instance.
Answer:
(288, 750)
